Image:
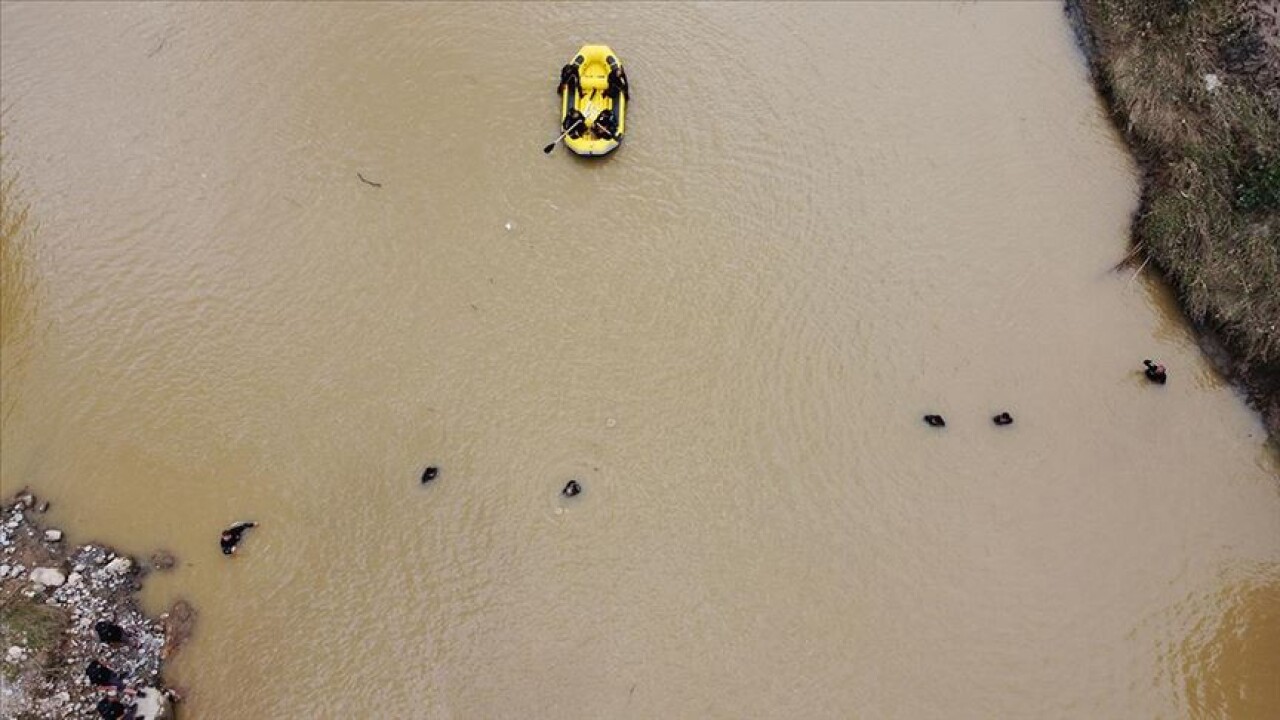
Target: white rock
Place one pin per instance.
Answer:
(1212, 82)
(151, 704)
(74, 579)
(15, 653)
(119, 566)
(36, 588)
(4, 571)
(51, 577)
(53, 535)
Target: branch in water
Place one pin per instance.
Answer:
(367, 181)
(1128, 260)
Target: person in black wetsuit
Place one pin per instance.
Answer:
(574, 123)
(108, 632)
(111, 708)
(1155, 372)
(934, 421)
(606, 125)
(102, 676)
(618, 84)
(568, 78)
(231, 536)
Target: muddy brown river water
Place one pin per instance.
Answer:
(826, 221)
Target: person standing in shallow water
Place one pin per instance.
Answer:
(230, 539)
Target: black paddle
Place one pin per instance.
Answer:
(585, 113)
(552, 146)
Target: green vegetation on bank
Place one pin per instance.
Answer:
(1195, 87)
(35, 627)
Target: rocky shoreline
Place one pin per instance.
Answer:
(51, 597)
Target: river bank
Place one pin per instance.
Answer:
(51, 596)
(1195, 90)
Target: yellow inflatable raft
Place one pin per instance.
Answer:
(593, 101)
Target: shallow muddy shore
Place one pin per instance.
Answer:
(1193, 91)
(51, 596)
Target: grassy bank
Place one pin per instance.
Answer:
(1194, 86)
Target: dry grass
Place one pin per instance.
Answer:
(30, 625)
(1210, 215)
(33, 625)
